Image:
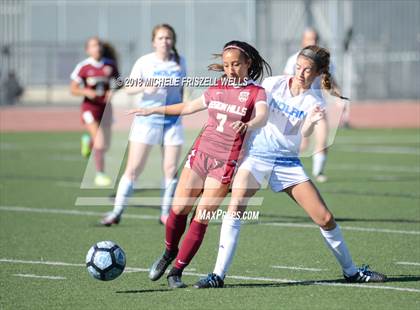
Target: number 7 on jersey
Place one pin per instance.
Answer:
(222, 118)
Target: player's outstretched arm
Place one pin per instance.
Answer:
(183, 108)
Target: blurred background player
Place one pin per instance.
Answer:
(91, 79)
(319, 159)
(166, 131)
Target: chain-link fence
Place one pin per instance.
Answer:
(375, 44)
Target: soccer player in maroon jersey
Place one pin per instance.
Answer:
(233, 110)
(91, 79)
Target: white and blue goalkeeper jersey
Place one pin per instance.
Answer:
(279, 140)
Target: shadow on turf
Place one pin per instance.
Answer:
(144, 291)
(394, 278)
(305, 219)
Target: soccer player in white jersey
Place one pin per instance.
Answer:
(146, 131)
(319, 159)
(273, 151)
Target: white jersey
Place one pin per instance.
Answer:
(290, 69)
(279, 140)
(149, 66)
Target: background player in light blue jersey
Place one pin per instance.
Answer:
(146, 131)
(294, 112)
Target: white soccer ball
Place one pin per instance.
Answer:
(105, 261)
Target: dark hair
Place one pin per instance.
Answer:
(321, 58)
(172, 30)
(258, 64)
(109, 51)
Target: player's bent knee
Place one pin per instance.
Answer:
(180, 209)
(327, 221)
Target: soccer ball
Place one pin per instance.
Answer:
(105, 261)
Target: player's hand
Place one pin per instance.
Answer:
(239, 127)
(317, 114)
(140, 111)
(90, 93)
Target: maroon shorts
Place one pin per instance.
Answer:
(96, 113)
(208, 166)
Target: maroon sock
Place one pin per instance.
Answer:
(190, 244)
(99, 160)
(175, 227)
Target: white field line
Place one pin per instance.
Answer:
(72, 212)
(151, 217)
(24, 275)
(298, 268)
(262, 279)
(407, 263)
(148, 201)
(364, 229)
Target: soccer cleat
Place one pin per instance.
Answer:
(111, 219)
(211, 281)
(85, 143)
(102, 179)
(159, 266)
(321, 178)
(364, 274)
(174, 281)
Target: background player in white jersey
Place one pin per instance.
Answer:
(273, 151)
(166, 131)
(91, 79)
(319, 159)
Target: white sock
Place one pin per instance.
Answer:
(335, 242)
(125, 189)
(229, 237)
(318, 163)
(168, 194)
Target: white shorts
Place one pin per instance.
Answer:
(157, 135)
(279, 176)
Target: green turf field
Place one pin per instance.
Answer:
(374, 192)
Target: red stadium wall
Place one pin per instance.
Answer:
(362, 115)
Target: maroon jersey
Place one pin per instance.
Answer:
(95, 75)
(226, 105)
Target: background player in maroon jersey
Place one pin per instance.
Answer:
(233, 109)
(91, 79)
